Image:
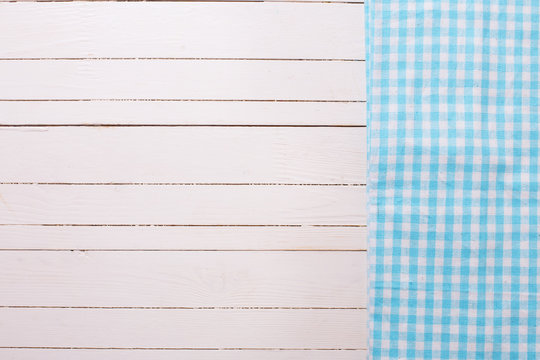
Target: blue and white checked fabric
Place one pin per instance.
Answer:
(453, 179)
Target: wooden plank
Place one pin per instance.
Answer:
(181, 29)
(184, 155)
(164, 204)
(183, 79)
(85, 354)
(183, 279)
(182, 238)
(215, 329)
(182, 113)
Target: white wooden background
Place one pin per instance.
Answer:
(182, 180)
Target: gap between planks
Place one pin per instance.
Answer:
(194, 100)
(90, 354)
(182, 348)
(201, 1)
(192, 250)
(171, 58)
(178, 125)
(184, 307)
(198, 225)
(173, 184)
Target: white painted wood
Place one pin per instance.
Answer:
(183, 238)
(182, 113)
(184, 155)
(180, 29)
(183, 279)
(70, 354)
(127, 204)
(182, 79)
(209, 291)
(184, 328)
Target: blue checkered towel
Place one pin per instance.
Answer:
(453, 179)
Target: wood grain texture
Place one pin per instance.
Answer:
(81, 354)
(299, 329)
(183, 238)
(183, 279)
(183, 113)
(184, 155)
(194, 119)
(182, 29)
(171, 204)
(182, 79)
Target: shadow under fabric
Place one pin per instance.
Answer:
(453, 179)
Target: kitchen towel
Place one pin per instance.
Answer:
(453, 132)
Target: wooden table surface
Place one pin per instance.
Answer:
(182, 180)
